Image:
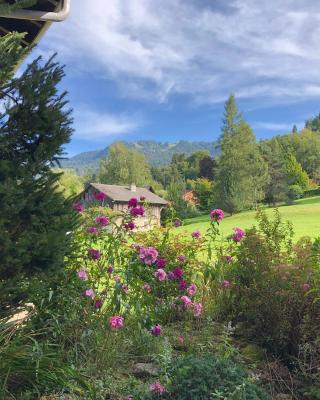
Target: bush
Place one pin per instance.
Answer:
(209, 378)
(272, 288)
(295, 192)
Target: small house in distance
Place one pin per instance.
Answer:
(118, 197)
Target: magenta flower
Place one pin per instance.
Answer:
(137, 211)
(116, 322)
(132, 203)
(110, 269)
(227, 258)
(225, 284)
(93, 230)
(217, 214)
(238, 235)
(160, 274)
(156, 330)
(306, 286)
(129, 226)
(148, 255)
(147, 287)
(161, 263)
(177, 222)
(157, 388)
(171, 275)
(89, 293)
(102, 220)
(197, 309)
(98, 303)
(182, 259)
(82, 274)
(94, 254)
(192, 290)
(183, 285)
(78, 206)
(100, 196)
(178, 273)
(196, 234)
(187, 302)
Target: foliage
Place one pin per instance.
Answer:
(242, 172)
(7, 8)
(210, 378)
(271, 285)
(203, 190)
(35, 218)
(124, 166)
(11, 52)
(69, 184)
(313, 123)
(295, 174)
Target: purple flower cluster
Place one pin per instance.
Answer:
(93, 230)
(133, 202)
(78, 206)
(100, 196)
(156, 330)
(196, 234)
(217, 214)
(137, 211)
(177, 222)
(102, 220)
(161, 263)
(94, 254)
(238, 235)
(148, 255)
(129, 226)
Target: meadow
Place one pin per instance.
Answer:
(304, 215)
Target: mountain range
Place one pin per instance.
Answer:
(156, 153)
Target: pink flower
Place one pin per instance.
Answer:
(102, 220)
(177, 222)
(180, 339)
(171, 275)
(117, 279)
(94, 254)
(160, 274)
(129, 226)
(78, 206)
(196, 234)
(82, 274)
(217, 214)
(183, 285)
(125, 288)
(156, 330)
(306, 286)
(161, 263)
(89, 293)
(116, 322)
(147, 287)
(132, 203)
(187, 302)
(182, 259)
(93, 230)
(227, 258)
(178, 273)
(225, 284)
(100, 196)
(157, 388)
(197, 309)
(110, 269)
(192, 290)
(137, 211)
(148, 255)
(238, 235)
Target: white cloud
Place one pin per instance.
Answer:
(277, 127)
(202, 48)
(92, 125)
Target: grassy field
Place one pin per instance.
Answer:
(304, 214)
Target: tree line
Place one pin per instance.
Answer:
(245, 174)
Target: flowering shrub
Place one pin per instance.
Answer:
(151, 274)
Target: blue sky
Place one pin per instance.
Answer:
(161, 70)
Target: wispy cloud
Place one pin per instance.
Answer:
(200, 48)
(276, 127)
(92, 125)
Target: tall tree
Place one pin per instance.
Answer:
(34, 218)
(208, 168)
(313, 123)
(124, 166)
(242, 172)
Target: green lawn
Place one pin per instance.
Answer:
(304, 214)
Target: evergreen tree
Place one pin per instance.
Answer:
(34, 218)
(313, 123)
(242, 173)
(208, 168)
(294, 129)
(124, 166)
(295, 173)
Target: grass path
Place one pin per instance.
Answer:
(304, 214)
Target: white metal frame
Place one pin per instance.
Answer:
(35, 15)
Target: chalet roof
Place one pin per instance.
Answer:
(122, 194)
